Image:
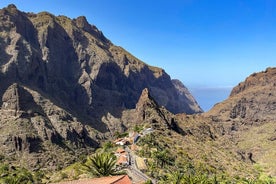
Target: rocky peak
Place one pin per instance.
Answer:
(148, 111)
(18, 100)
(82, 22)
(253, 100)
(267, 77)
(145, 100)
(11, 8)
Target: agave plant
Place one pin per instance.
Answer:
(102, 164)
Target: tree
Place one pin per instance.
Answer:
(175, 177)
(16, 176)
(162, 158)
(102, 164)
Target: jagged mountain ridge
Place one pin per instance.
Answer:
(64, 87)
(75, 64)
(253, 100)
(234, 137)
(248, 119)
(49, 115)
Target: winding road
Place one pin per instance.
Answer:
(133, 170)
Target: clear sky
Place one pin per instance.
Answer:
(210, 45)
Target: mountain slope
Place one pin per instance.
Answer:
(61, 80)
(75, 64)
(235, 140)
(252, 100)
(248, 118)
(38, 133)
(228, 144)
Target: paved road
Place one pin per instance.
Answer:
(134, 169)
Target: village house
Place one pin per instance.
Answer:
(123, 157)
(121, 141)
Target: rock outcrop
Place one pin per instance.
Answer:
(76, 65)
(253, 100)
(31, 125)
(247, 118)
(64, 88)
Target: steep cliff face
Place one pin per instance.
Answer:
(265, 78)
(247, 118)
(38, 133)
(76, 65)
(64, 87)
(250, 101)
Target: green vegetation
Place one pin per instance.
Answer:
(138, 128)
(101, 164)
(170, 164)
(107, 146)
(120, 135)
(16, 175)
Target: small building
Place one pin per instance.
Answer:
(121, 141)
(119, 151)
(123, 157)
(133, 137)
(123, 160)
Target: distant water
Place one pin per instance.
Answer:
(208, 97)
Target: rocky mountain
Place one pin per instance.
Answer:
(64, 87)
(234, 138)
(247, 118)
(253, 100)
(73, 62)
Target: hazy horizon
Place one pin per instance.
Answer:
(206, 97)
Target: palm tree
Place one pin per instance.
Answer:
(175, 177)
(162, 157)
(102, 164)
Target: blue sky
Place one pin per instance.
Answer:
(210, 45)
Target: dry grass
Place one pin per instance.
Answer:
(256, 140)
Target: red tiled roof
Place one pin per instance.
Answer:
(121, 179)
(122, 159)
(133, 147)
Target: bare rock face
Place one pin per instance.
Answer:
(33, 126)
(18, 101)
(65, 86)
(148, 112)
(72, 61)
(184, 96)
(251, 101)
(265, 78)
(247, 118)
